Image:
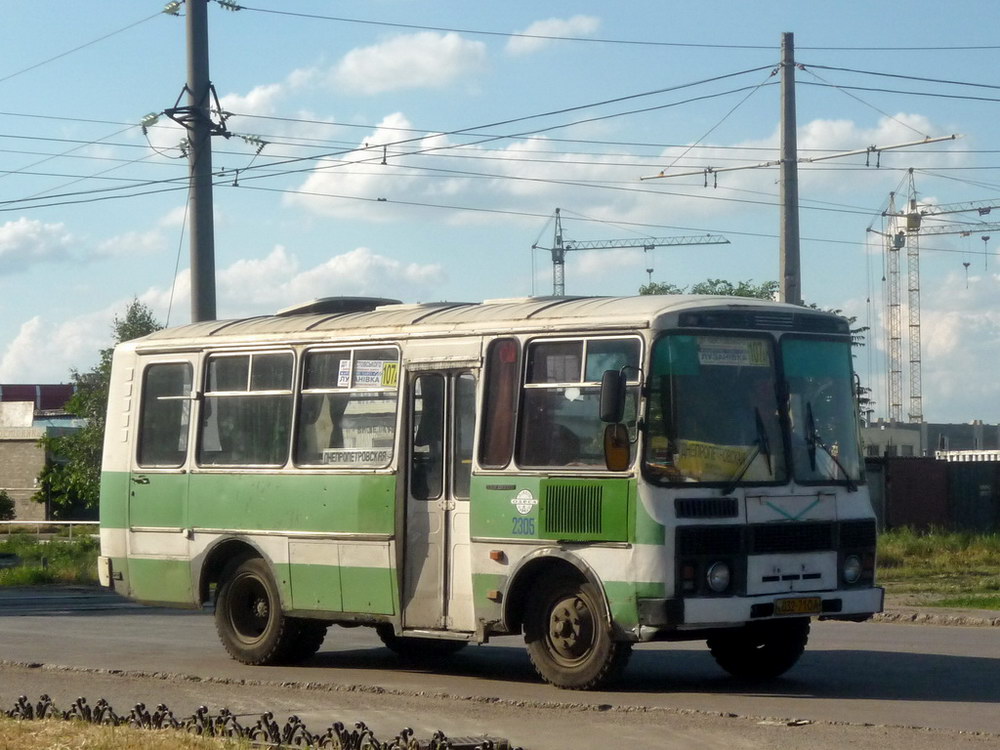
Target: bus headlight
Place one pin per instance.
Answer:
(718, 576)
(851, 571)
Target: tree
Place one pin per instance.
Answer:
(6, 506)
(764, 290)
(71, 478)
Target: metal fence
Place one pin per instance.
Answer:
(51, 528)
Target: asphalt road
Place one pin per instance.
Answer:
(923, 677)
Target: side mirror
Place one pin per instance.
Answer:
(616, 447)
(612, 396)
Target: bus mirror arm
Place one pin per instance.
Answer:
(616, 447)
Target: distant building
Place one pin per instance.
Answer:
(27, 413)
(905, 439)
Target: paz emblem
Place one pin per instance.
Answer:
(524, 502)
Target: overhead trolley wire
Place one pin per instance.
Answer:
(79, 47)
(598, 40)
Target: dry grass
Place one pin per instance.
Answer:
(55, 734)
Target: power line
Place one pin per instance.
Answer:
(923, 79)
(596, 40)
(80, 47)
(929, 94)
(503, 34)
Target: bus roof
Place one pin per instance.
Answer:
(444, 318)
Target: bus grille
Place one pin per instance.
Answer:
(573, 509)
(857, 534)
(791, 537)
(709, 540)
(706, 507)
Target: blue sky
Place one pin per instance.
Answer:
(559, 105)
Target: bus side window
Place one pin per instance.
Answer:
(499, 403)
(427, 449)
(165, 414)
(247, 413)
(464, 418)
(559, 424)
(347, 408)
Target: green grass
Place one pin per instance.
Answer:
(57, 560)
(940, 568)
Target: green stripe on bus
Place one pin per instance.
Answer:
(351, 503)
(623, 599)
(114, 500)
(552, 508)
(343, 589)
(159, 580)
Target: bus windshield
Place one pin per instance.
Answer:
(713, 413)
(824, 425)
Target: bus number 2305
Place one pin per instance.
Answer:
(523, 526)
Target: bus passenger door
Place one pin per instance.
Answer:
(437, 579)
(158, 480)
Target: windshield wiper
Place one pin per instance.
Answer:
(760, 446)
(813, 440)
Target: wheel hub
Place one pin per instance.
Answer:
(260, 609)
(571, 628)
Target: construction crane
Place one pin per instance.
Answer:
(561, 246)
(905, 230)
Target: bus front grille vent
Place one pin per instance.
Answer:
(791, 537)
(573, 509)
(774, 320)
(706, 507)
(857, 534)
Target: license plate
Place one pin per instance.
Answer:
(804, 605)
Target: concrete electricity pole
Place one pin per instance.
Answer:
(791, 278)
(200, 129)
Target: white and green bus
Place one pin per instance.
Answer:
(591, 473)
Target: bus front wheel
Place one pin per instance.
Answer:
(250, 622)
(569, 638)
(763, 650)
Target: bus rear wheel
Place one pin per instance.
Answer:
(763, 650)
(250, 622)
(569, 638)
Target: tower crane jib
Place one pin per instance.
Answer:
(561, 246)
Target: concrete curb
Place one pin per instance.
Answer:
(915, 616)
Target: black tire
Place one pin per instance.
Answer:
(417, 649)
(569, 637)
(309, 637)
(248, 615)
(761, 651)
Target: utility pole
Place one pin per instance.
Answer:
(200, 129)
(791, 278)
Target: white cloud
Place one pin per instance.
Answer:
(133, 243)
(423, 60)
(576, 26)
(277, 281)
(260, 100)
(147, 242)
(45, 350)
(27, 242)
(960, 334)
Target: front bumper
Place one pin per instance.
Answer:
(697, 613)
